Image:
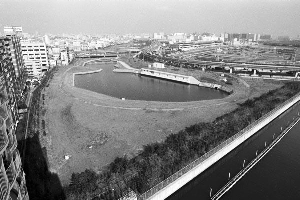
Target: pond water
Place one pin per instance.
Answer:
(136, 87)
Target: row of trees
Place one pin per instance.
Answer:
(158, 161)
(40, 182)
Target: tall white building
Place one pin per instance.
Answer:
(36, 51)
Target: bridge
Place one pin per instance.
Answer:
(96, 54)
(231, 67)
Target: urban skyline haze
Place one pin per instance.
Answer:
(276, 17)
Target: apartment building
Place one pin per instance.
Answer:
(12, 45)
(35, 51)
(34, 69)
(12, 176)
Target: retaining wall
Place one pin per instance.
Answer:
(80, 73)
(195, 170)
(126, 70)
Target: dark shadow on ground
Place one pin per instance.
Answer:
(41, 183)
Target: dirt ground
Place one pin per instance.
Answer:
(93, 129)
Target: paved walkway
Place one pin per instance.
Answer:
(125, 65)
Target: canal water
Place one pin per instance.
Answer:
(136, 87)
(276, 176)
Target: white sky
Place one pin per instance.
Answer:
(277, 17)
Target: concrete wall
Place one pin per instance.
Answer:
(185, 178)
(81, 73)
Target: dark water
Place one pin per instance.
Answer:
(135, 87)
(276, 176)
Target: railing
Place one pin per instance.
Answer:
(241, 173)
(199, 160)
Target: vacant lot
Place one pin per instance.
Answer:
(93, 128)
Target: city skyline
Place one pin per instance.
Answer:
(277, 17)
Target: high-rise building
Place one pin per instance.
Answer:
(12, 38)
(35, 51)
(12, 46)
(12, 176)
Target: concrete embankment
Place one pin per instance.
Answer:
(81, 73)
(126, 70)
(125, 65)
(99, 61)
(179, 179)
(215, 86)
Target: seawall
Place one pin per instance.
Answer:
(81, 73)
(118, 70)
(182, 177)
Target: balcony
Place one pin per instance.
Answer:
(1, 122)
(3, 112)
(15, 195)
(10, 141)
(22, 185)
(4, 186)
(8, 122)
(3, 97)
(3, 138)
(15, 143)
(15, 192)
(17, 159)
(11, 172)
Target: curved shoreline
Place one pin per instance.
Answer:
(139, 104)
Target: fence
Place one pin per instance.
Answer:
(199, 160)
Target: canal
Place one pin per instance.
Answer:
(135, 87)
(274, 177)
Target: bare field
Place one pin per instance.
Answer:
(93, 128)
